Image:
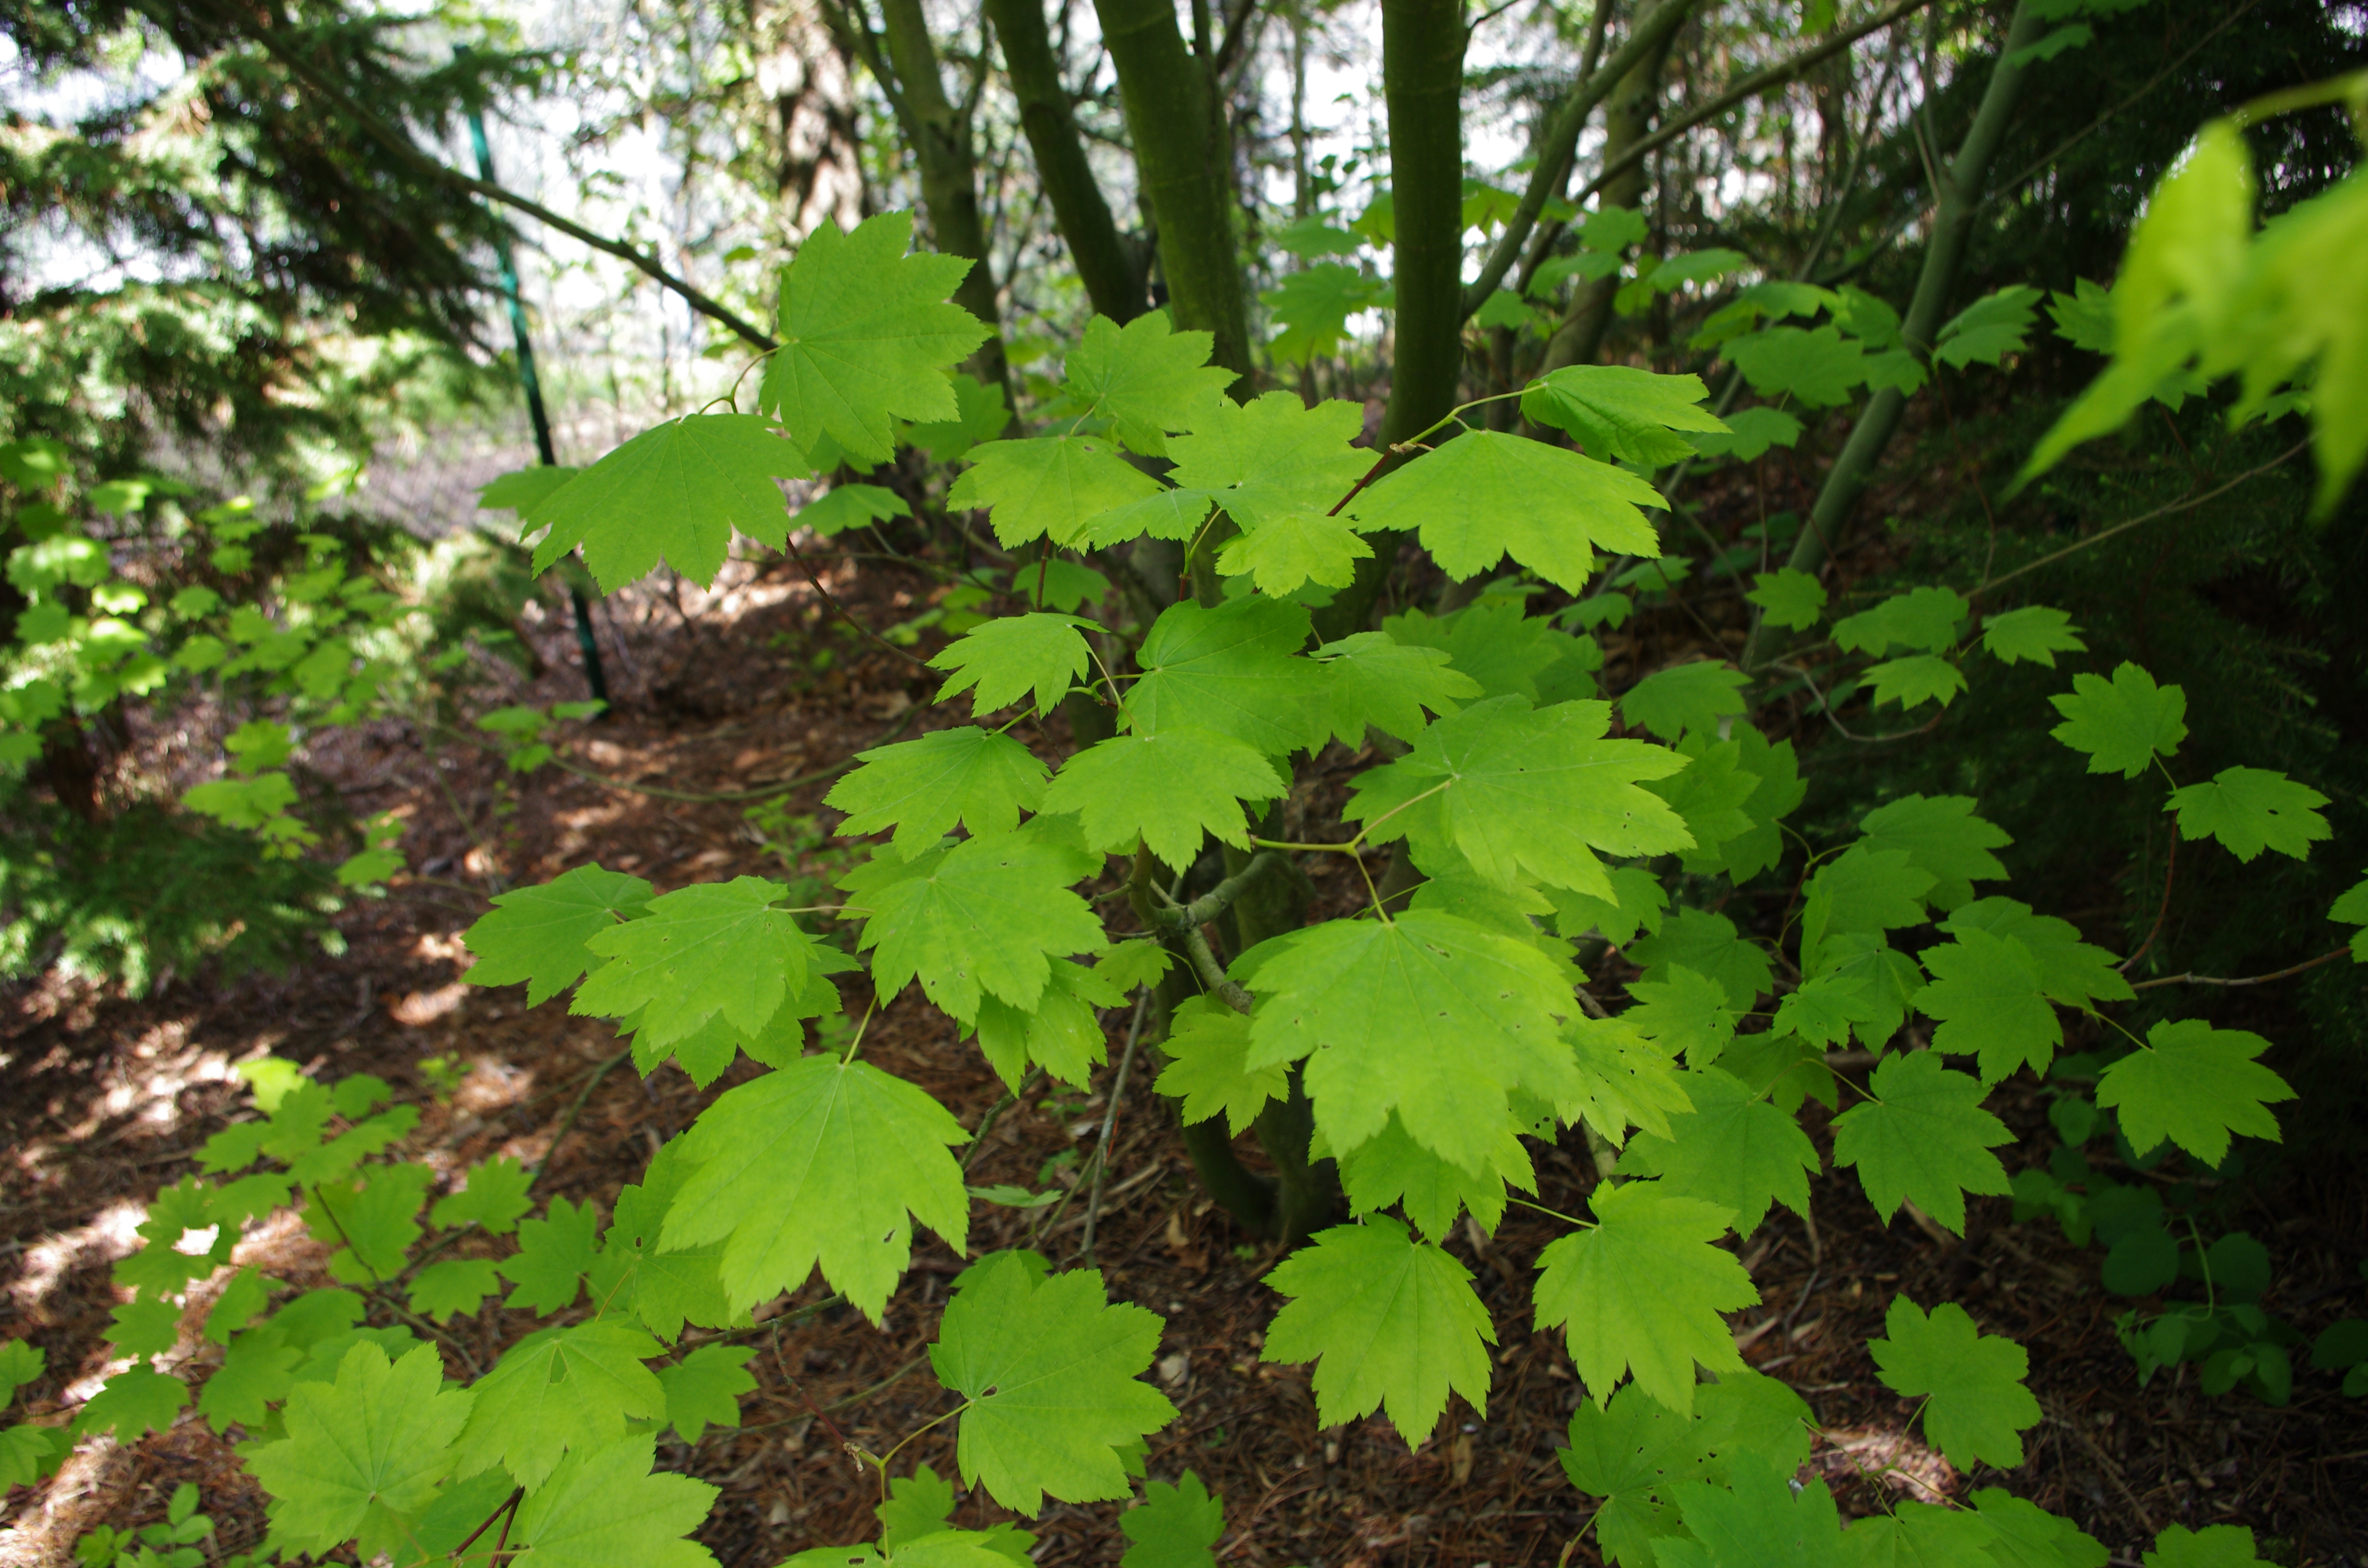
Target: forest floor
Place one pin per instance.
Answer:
(104, 1100)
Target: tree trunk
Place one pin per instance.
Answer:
(807, 77)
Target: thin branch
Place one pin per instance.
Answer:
(402, 146)
(2248, 980)
(2189, 503)
(790, 544)
(2169, 870)
(1110, 1123)
(568, 1123)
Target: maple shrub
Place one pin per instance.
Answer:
(1406, 1053)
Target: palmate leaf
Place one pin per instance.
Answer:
(537, 934)
(552, 1255)
(1642, 1293)
(1629, 1453)
(1789, 598)
(1272, 455)
(1815, 366)
(1989, 329)
(700, 951)
(821, 1162)
(1971, 1382)
(1048, 486)
(2070, 971)
(2252, 809)
(1493, 643)
(2124, 723)
(1208, 1050)
(2034, 632)
(1921, 621)
(1522, 791)
(1393, 1168)
(1915, 680)
(1287, 549)
(1149, 379)
(559, 1391)
(1757, 1518)
(674, 493)
(1430, 1016)
(1389, 1322)
(1371, 678)
(1623, 1081)
(1685, 697)
(1942, 836)
(1985, 989)
(1684, 1013)
(493, 1198)
(1707, 943)
(1921, 1535)
(1164, 789)
(867, 336)
(134, 1402)
(2214, 1546)
(453, 1285)
(2195, 1085)
(1923, 1137)
(1234, 669)
(2350, 908)
(664, 1290)
(923, 788)
(983, 918)
(609, 1506)
(361, 1454)
(1752, 432)
(851, 506)
(1638, 906)
(1733, 1149)
(1049, 1369)
(2028, 1535)
(703, 1389)
(1175, 1527)
(1063, 1034)
(1622, 413)
(1170, 514)
(1000, 660)
(1487, 494)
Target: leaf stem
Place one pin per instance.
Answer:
(857, 1044)
(1553, 1214)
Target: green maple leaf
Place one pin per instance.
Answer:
(19, 1364)
(1816, 366)
(362, 1453)
(984, 416)
(1915, 680)
(710, 947)
(1749, 1413)
(1272, 455)
(553, 1254)
(923, 788)
(1921, 621)
(1637, 904)
(1789, 598)
(537, 934)
(134, 1402)
(2034, 632)
(1064, 1033)
(1487, 494)
(2350, 908)
(2195, 1086)
(1175, 1526)
(976, 920)
(1988, 329)
(1824, 1008)
(2029, 1537)
(607, 1507)
(1630, 1453)
(1164, 789)
(376, 1225)
(1642, 1293)
(1622, 413)
(2214, 1546)
(1918, 1535)
(1757, 1518)
(29, 1452)
(665, 1290)
(1972, 1382)
(497, 1194)
(1493, 642)
(853, 506)
(1707, 944)
(1753, 431)
(1234, 669)
(1371, 678)
(1733, 1149)
(867, 337)
(521, 489)
(1430, 1016)
(999, 660)
(1049, 1369)
(674, 493)
(704, 1389)
(2124, 723)
(944, 1549)
(1387, 1320)
(1684, 1013)
(1208, 1050)
(1684, 697)
(1923, 1137)
(1169, 513)
(2252, 809)
(1623, 1081)
(1149, 379)
(1940, 835)
(2070, 970)
(256, 1372)
(1048, 486)
(558, 1391)
(1314, 304)
(822, 1162)
(1711, 796)
(1286, 550)
(145, 1327)
(1390, 1167)
(919, 1507)
(1864, 890)
(453, 1285)
(1985, 991)
(1525, 792)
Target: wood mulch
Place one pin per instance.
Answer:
(104, 1100)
